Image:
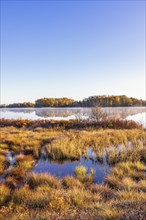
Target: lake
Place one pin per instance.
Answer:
(137, 114)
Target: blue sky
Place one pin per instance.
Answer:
(72, 49)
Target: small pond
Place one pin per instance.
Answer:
(11, 159)
(62, 169)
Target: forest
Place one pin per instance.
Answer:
(91, 101)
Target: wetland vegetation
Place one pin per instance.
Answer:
(28, 193)
(81, 157)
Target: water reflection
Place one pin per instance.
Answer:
(11, 159)
(44, 113)
(140, 118)
(72, 113)
(64, 168)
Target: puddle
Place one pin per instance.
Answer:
(11, 159)
(62, 169)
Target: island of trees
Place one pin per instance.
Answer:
(92, 101)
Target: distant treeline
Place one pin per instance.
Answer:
(92, 101)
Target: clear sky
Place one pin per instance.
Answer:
(72, 49)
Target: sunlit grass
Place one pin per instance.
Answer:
(71, 182)
(80, 171)
(4, 194)
(43, 196)
(3, 163)
(35, 180)
(25, 162)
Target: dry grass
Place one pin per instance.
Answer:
(35, 180)
(71, 144)
(71, 182)
(3, 163)
(4, 194)
(44, 197)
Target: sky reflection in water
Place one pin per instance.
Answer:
(62, 169)
(137, 114)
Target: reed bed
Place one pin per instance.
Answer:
(71, 124)
(71, 144)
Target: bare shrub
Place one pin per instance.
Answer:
(97, 114)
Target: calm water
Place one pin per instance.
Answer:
(11, 159)
(62, 169)
(137, 114)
